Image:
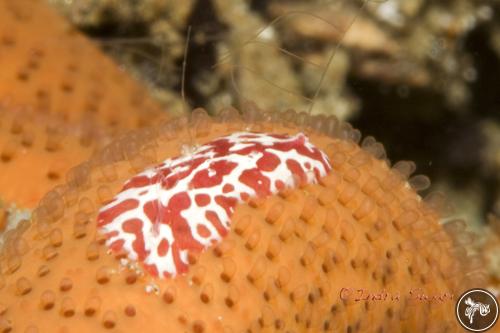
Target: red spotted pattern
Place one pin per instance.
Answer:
(185, 204)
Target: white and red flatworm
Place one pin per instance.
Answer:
(185, 203)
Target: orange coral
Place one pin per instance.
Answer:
(282, 267)
(48, 65)
(36, 152)
(69, 86)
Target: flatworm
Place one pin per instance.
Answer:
(185, 203)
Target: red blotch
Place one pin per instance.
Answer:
(228, 188)
(181, 231)
(317, 173)
(296, 169)
(227, 203)
(138, 181)
(111, 234)
(298, 144)
(151, 269)
(117, 245)
(202, 199)
(268, 162)
(254, 179)
(169, 178)
(221, 146)
(203, 231)
(108, 215)
(151, 210)
(134, 226)
(163, 248)
(206, 178)
(255, 147)
(280, 185)
(214, 219)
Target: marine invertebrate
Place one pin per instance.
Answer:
(185, 204)
(287, 263)
(36, 152)
(46, 64)
(61, 98)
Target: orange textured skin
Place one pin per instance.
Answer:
(280, 269)
(46, 64)
(36, 152)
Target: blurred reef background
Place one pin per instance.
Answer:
(422, 76)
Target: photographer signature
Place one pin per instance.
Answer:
(416, 294)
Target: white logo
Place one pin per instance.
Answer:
(477, 310)
(473, 307)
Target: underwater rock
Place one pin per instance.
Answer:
(386, 42)
(253, 66)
